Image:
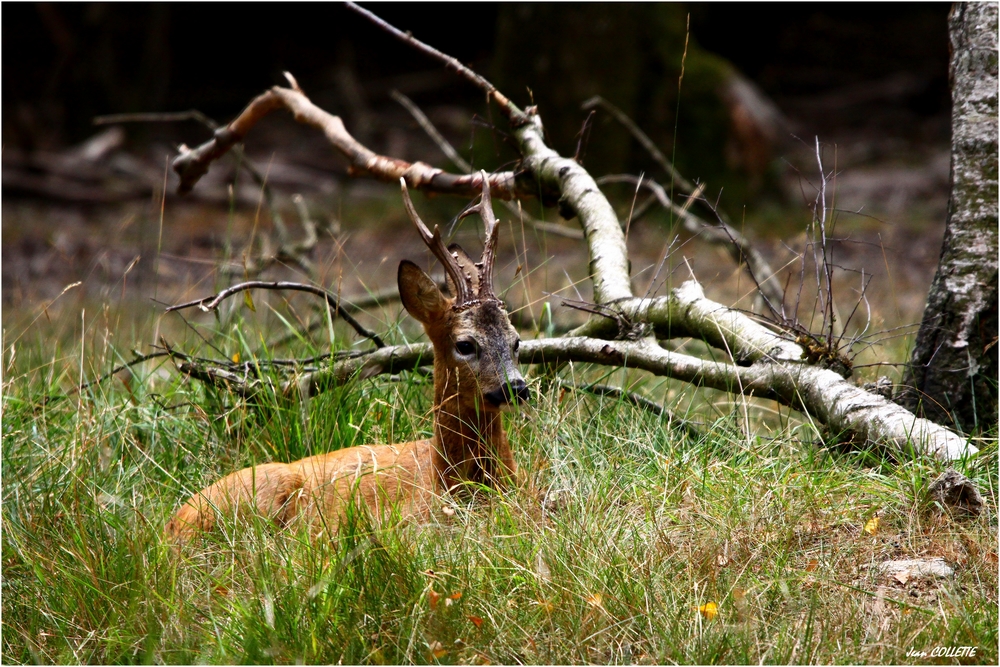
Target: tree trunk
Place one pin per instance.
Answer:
(952, 376)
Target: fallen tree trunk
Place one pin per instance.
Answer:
(758, 361)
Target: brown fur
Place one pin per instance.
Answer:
(469, 443)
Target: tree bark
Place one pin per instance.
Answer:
(952, 375)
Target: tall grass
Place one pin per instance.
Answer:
(620, 528)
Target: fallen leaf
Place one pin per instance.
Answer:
(871, 526)
(433, 596)
(455, 596)
(546, 606)
(437, 650)
(542, 568)
(813, 564)
(236, 357)
(709, 610)
(448, 511)
(902, 576)
(596, 600)
(476, 621)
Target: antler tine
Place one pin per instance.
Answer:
(436, 245)
(485, 210)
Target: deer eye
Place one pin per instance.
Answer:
(517, 345)
(465, 348)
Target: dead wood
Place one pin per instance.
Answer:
(209, 303)
(193, 163)
(461, 163)
(722, 234)
(758, 361)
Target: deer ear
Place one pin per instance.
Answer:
(468, 267)
(421, 297)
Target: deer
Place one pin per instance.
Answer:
(476, 379)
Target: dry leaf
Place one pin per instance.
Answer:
(455, 596)
(236, 357)
(437, 650)
(813, 564)
(596, 600)
(902, 576)
(248, 300)
(709, 610)
(542, 568)
(433, 596)
(476, 621)
(448, 511)
(871, 526)
(546, 606)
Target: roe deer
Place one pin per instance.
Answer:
(475, 377)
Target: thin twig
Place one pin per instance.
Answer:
(463, 165)
(739, 246)
(211, 302)
(686, 186)
(424, 122)
(287, 251)
(514, 114)
(154, 117)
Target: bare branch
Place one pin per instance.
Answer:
(684, 185)
(738, 246)
(193, 163)
(154, 117)
(827, 397)
(515, 115)
(425, 124)
(766, 364)
(463, 165)
(212, 302)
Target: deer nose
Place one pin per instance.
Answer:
(515, 389)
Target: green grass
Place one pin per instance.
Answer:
(619, 529)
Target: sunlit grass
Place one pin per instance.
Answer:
(620, 527)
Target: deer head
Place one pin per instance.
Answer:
(475, 346)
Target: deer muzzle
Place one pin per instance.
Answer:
(514, 391)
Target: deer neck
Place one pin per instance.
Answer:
(469, 440)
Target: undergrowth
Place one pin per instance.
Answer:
(626, 539)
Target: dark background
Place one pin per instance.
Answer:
(63, 64)
(869, 80)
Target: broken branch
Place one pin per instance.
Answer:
(193, 163)
(209, 303)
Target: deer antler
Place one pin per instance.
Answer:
(463, 285)
(485, 265)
